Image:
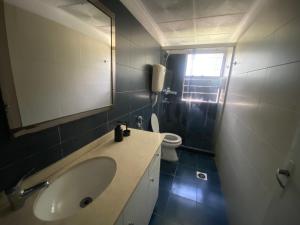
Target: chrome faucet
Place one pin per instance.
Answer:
(168, 91)
(139, 122)
(17, 195)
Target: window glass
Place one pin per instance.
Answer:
(209, 64)
(203, 77)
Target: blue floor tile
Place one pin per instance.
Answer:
(168, 167)
(159, 220)
(186, 172)
(165, 181)
(182, 211)
(206, 164)
(178, 151)
(184, 188)
(210, 196)
(155, 219)
(213, 179)
(211, 216)
(161, 203)
(186, 200)
(205, 155)
(188, 158)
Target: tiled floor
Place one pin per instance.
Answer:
(184, 199)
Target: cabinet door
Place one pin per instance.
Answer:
(120, 220)
(137, 208)
(130, 211)
(153, 171)
(141, 204)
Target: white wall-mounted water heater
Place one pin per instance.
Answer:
(158, 77)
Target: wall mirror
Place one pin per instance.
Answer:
(58, 61)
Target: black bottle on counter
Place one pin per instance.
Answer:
(118, 133)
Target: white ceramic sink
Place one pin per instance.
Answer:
(75, 189)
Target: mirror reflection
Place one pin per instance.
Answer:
(61, 58)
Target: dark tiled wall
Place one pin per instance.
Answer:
(194, 122)
(136, 51)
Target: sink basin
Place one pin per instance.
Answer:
(75, 189)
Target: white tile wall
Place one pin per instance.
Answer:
(261, 111)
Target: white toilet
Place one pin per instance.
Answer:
(170, 142)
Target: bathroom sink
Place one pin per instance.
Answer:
(75, 189)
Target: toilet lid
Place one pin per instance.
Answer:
(154, 123)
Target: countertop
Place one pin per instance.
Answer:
(133, 155)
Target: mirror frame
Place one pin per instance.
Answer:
(8, 90)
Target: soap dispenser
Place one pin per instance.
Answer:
(126, 132)
(118, 133)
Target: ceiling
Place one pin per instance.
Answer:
(82, 10)
(193, 22)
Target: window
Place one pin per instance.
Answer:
(203, 77)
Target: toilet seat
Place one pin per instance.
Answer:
(169, 143)
(171, 138)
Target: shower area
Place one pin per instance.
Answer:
(191, 103)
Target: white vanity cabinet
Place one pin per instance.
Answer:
(140, 206)
(153, 174)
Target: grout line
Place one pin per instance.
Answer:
(107, 122)
(177, 165)
(167, 201)
(130, 67)
(83, 133)
(133, 111)
(162, 215)
(265, 68)
(100, 125)
(59, 134)
(131, 91)
(11, 163)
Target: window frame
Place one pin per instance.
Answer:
(213, 51)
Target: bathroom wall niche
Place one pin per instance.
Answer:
(58, 61)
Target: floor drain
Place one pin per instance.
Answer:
(201, 175)
(86, 201)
